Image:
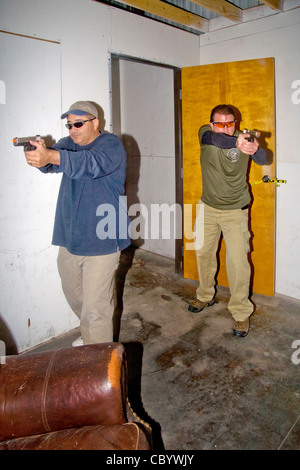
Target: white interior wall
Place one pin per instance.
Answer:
(28, 200)
(276, 36)
(83, 33)
(136, 36)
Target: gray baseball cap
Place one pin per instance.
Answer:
(80, 108)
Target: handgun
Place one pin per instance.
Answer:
(24, 141)
(252, 134)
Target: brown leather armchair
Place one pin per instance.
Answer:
(69, 399)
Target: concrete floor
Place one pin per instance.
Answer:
(196, 384)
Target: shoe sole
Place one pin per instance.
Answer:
(77, 343)
(197, 310)
(240, 334)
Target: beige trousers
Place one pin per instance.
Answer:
(233, 224)
(88, 284)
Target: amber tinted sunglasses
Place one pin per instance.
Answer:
(222, 125)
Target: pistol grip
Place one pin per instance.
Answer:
(28, 147)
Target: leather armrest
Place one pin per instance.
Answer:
(62, 389)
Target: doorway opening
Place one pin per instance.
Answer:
(146, 115)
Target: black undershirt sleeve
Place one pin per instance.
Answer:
(219, 139)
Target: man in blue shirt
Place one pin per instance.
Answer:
(91, 222)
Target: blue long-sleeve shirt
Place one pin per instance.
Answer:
(91, 214)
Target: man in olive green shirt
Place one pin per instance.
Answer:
(223, 208)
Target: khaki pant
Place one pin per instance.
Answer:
(88, 284)
(233, 224)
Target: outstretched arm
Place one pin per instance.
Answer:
(225, 141)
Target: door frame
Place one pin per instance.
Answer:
(116, 128)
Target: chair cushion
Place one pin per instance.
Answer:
(126, 436)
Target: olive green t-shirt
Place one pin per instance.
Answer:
(223, 180)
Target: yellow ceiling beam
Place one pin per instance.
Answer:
(222, 8)
(169, 12)
(274, 4)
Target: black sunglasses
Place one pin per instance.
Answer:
(77, 124)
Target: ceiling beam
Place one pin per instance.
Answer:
(274, 4)
(169, 12)
(222, 8)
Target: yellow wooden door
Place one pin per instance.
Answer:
(248, 86)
